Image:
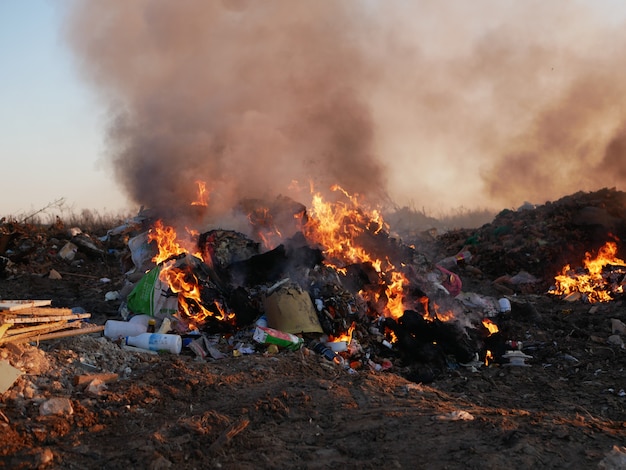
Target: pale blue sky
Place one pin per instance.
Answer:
(51, 128)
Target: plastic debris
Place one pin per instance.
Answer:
(8, 376)
(265, 335)
(56, 406)
(614, 460)
(516, 358)
(458, 415)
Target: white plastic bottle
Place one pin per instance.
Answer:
(116, 329)
(156, 342)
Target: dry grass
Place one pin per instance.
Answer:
(56, 213)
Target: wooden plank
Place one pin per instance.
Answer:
(13, 305)
(63, 334)
(42, 319)
(37, 311)
(26, 329)
(20, 337)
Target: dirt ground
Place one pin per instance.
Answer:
(567, 409)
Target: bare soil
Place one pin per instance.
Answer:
(567, 409)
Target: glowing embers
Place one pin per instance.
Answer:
(599, 280)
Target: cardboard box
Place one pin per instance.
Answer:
(291, 310)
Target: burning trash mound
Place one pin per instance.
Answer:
(522, 251)
(330, 278)
(601, 279)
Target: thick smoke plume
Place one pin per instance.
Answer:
(438, 104)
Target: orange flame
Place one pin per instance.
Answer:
(395, 295)
(347, 337)
(168, 244)
(336, 227)
(488, 357)
(180, 278)
(490, 326)
(591, 283)
(441, 316)
(202, 199)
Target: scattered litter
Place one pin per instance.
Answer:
(614, 460)
(615, 340)
(618, 327)
(68, 252)
(84, 380)
(112, 295)
(569, 358)
(56, 406)
(55, 275)
(516, 358)
(116, 329)
(458, 415)
(8, 376)
(337, 346)
(504, 304)
(161, 342)
(327, 353)
(265, 335)
(290, 309)
(488, 305)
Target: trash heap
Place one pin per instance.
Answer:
(521, 251)
(225, 293)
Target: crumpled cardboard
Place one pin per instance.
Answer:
(291, 310)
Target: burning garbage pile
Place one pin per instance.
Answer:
(330, 278)
(523, 250)
(600, 279)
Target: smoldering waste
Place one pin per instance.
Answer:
(390, 303)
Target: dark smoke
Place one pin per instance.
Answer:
(248, 96)
(435, 103)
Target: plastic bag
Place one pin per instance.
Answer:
(153, 297)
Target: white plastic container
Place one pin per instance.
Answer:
(505, 305)
(116, 329)
(156, 342)
(140, 319)
(337, 346)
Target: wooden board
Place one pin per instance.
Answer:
(38, 311)
(63, 334)
(13, 305)
(46, 319)
(19, 335)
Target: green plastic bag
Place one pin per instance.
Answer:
(152, 297)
